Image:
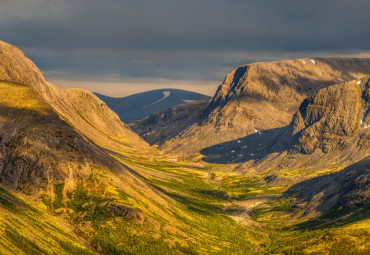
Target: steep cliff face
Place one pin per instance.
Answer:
(328, 119)
(263, 96)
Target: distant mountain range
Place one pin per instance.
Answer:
(142, 105)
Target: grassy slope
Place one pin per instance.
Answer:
(27, 230)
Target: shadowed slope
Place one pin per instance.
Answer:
(348, 188)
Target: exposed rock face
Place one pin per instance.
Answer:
(134, 214)
(331, 116)
(263, 96)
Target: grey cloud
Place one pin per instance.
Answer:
(179, 39)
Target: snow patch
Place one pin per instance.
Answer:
(165, 95)
(232, 151)
(367, 126)
(162, 116)
(304, 62)
(172, 159)
(313, 61)
(255, 130)
(359, 82)
(244, 147)
(188, 100)
(239, 141)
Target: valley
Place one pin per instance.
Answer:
(278, 162)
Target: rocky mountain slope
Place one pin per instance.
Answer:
(262, 96)
(331, 116)
(164, 125)
(139, 106)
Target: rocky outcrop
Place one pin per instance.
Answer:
(329, 118)
(134, 214)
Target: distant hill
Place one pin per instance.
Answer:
(141, 105)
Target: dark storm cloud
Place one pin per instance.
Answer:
(193, 39)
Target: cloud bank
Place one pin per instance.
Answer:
(196, 42)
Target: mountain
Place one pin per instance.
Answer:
(141, 105)
(259, 97)
(332, 124)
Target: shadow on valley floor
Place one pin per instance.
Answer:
(252, 147)
(343, 196)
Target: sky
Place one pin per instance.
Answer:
(121, 47)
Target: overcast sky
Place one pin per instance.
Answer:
(119, 47)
